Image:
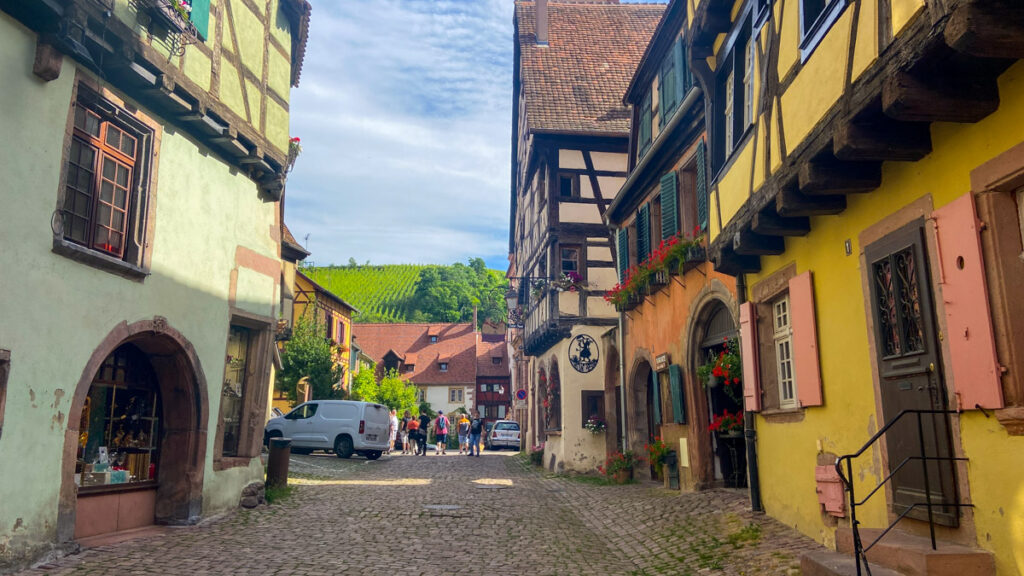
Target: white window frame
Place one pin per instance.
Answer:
(748, 83)
(782, 337)
(729, 120)
(813, 34)
(443, 366)
(455, 395)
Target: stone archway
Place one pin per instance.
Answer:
(553, 419)
(183, 391)
(639, 419)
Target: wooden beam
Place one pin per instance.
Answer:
(951, 97)
(791, 203)
(747, 243)
(769, 223)
(834, 177)
(731, 264)
(882, 141)
(987, 30)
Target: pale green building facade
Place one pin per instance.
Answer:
(142, 153)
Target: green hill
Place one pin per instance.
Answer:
(417, 293)
(381, 293)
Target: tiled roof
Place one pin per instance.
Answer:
(456, 343)
(575, 83)
(299, 12)
(289, 241)
(488, 348)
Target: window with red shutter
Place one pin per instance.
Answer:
(805, 340)
(748, 350)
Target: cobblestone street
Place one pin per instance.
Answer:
(459, 515)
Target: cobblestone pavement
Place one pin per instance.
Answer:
(458, 515)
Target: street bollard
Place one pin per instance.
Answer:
(277, 462)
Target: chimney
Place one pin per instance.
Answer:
(542, 22)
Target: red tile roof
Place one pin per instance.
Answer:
(456, 343)
(576, 83)
(488, 348)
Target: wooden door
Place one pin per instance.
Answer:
(909, 366)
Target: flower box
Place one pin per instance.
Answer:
(163, 13)
(658, 280)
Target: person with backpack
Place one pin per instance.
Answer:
(404, 430)
(463, 430)
(441, 433)
(422, 438)
(476, 428)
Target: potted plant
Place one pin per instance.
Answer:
(726, 368)
(656, 453)
(619, 466)
(172, 15)
(568, 282)
(728, 424)
(537, 455)
(596, 425)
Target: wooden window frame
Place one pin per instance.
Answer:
(5, 371)
(585, 397)
(763, 295)
(254, 398)
(579, 259)
(574, 183)
(132, 260)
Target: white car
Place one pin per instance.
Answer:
(504, 434)
(345, 426)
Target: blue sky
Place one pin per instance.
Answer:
(404, 111)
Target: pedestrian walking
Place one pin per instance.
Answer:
(392, 430)
(414, 435)
(463, 430)
(476, 428)
(441, 433)
(422, 438)
(403, 429)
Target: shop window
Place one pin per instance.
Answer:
(592, 402)
(568, 186)
(103, 198)
(5, 369)
(455, 395)
(233, 393)
(816, 17)
(782, 332)
(120, 426)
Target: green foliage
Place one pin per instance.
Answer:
(391, 391)
(276, 494)
(309, 355)
(414, 293)
(424, 408)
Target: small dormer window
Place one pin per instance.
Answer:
(496, 360)
(433, 339)
(444, 366)
(410, 367)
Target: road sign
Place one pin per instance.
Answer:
(521, 394)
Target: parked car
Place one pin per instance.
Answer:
(504, 434)
(345, 426)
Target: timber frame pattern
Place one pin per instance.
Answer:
(882, 116)
(88, 32)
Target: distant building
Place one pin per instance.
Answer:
(333, 315)
(493, 378)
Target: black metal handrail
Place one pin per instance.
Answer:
(859, 550)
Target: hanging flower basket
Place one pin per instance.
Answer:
(171, 15)
(596, 425)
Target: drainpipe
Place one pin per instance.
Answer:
(622, 382)
(749, 432)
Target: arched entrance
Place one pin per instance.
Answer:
(141, 406)
(553, 399)
(641, 420)
(539, 410)
(722, 397)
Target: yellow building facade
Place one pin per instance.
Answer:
(867, 162)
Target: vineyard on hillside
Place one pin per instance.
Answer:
(380, 293)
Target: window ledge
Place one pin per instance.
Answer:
(98, 260)
(229, 462)
(783, 415)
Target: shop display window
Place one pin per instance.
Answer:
(120, 428)
(233, 395)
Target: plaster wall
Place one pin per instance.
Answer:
(57, 311)
(787, 451)
(437, 396)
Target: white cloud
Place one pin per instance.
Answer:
(404, 114)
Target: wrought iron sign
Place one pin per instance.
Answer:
(583, 353)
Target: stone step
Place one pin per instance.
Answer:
(913, 555)
(835, 564)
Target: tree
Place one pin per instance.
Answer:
(364, 384)
(309, 354)
(449, 293)
(396, 393)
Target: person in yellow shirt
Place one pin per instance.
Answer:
(463, 430)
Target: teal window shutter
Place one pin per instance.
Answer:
(200, 17)
(656, 393)
(623, 262)
(702, 186)
(675, 377)
(683, 80)
(669, 206)
(643, 233)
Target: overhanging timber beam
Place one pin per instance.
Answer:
(991, 29)
(730, 263)
(791, 203)
(883, 140)
(747, 243)
(950, 97)
(835, 177)
(769, 223)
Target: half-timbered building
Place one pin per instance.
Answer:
(572, 63)
(867, 164)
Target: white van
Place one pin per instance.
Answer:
(345, 426)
